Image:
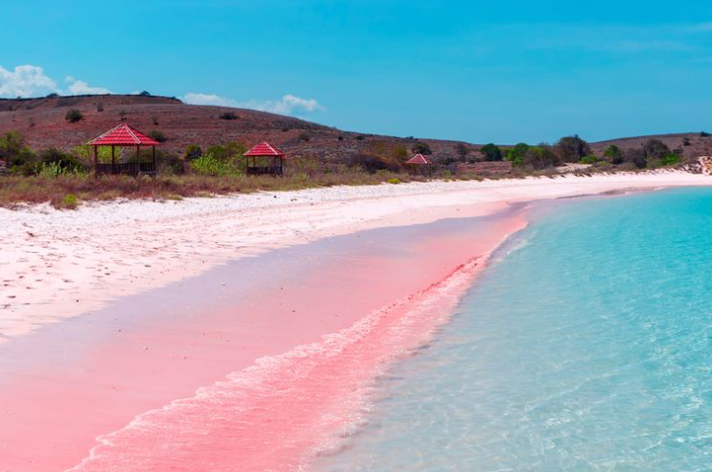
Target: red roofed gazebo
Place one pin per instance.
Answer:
(266, 159)
(124, 136)
(419, 161)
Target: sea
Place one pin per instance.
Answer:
(586, 345)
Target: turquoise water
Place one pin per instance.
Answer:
(586, 346)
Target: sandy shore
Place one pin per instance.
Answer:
(219, 358)
(58, 264)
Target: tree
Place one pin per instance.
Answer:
(491, 152)
(572, 148)
(614, 154)
(655, 149)
(516, 154)
(13, 149)
(462, 150)
(74, 116)
(637, 157)
(540, 157)
(421, 148)
(145, 94)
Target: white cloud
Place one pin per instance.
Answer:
(25, 81)
(288, 105)
(79, 87)
(208, 99)
(31, 81)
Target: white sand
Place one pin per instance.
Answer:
(57, 264)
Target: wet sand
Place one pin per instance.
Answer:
(66, 384)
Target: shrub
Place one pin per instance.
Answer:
(421, 148)
(207, 164)
(155, 121)
(540, 157)
(193, 151)
(516, 154)
(228, 115)
(669, 160)
(371, 163)
(74, 116)
(99, 107)
(145, 94)
(69, 201)
(158, 136)
(636, 157)
(394, 181)
(462, 150)
(60, 162)
(122, 115)
(304, 137)
(686, 142)
(655, 149)
(590, 159)
(572, 148)
(614, 154)
(13, 149)
(491, 152)
(704, 134)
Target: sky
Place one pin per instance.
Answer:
(481, 71)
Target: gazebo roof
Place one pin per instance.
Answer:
(123, 135)
(264, 149)
(419, 159)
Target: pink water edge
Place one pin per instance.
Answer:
(257, 366)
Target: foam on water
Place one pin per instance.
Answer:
(280, 413)
(586, 347)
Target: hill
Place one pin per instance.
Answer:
(42, 122)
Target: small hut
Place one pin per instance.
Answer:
(124, 136)
(264, 159)
(419, 164)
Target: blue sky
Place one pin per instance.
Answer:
(502, 71)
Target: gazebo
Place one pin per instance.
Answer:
(271, 160)
(420, 163)
(124, 136)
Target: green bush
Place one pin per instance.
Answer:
(669, 160)
(193, 151)
(14, 151)
(614, 154)
(516, 154)
(590, 159)
(70, 201)
(228, 115)
(74, 116)
(208, 164)
(394, 181)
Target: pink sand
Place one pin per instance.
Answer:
(147, 385)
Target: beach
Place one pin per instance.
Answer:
(134, 321)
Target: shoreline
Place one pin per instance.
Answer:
(310, 336)
(56, 265)
(136, 355)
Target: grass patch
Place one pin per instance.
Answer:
(67, 190)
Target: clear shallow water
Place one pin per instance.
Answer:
(586, 346)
